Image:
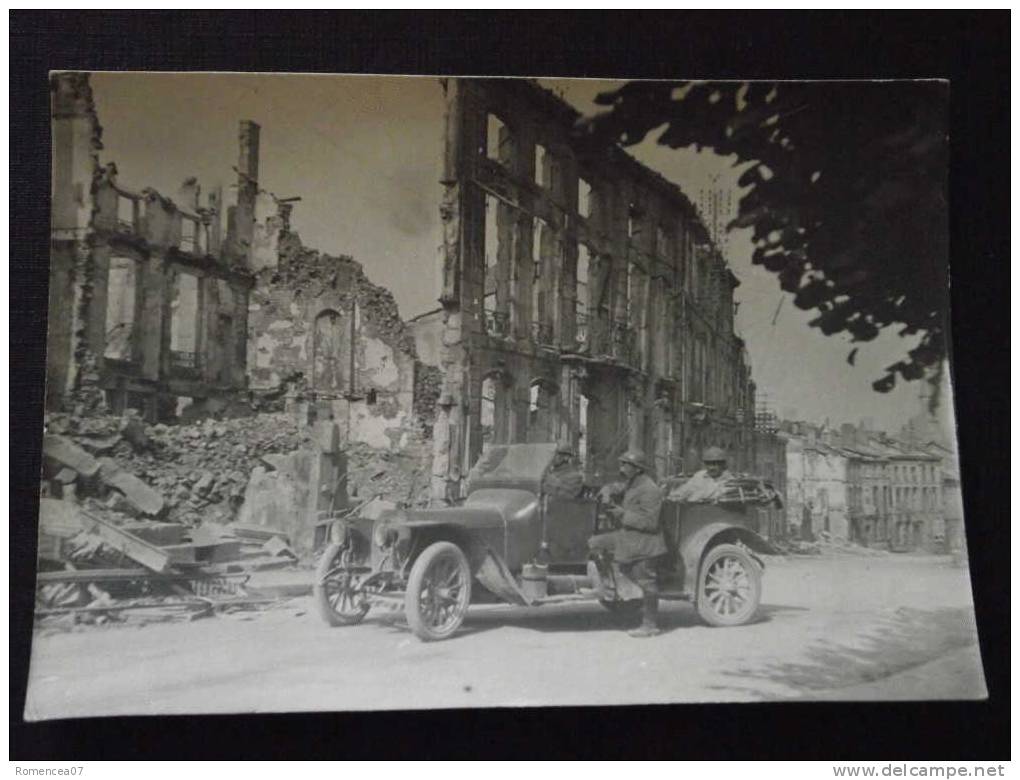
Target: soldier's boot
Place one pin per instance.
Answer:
(649, 618)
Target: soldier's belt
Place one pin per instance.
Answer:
(641, 530)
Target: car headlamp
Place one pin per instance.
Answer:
(384, 535)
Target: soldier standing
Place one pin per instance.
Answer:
(638, 543)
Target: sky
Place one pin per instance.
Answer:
(364, 153)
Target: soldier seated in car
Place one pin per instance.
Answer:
(564, 479)
(706, 485)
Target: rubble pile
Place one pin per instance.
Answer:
(400, 476)
(199, 471)
(428, 385)
(313, 271)
(145, 518)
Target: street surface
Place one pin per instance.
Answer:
(837, 626)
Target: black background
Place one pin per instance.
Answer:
(970, 49)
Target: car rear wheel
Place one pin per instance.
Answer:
(336, 589)
(438, 592)
(729, 586)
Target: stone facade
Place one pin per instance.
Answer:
(864, 486)
(581, 297)
(317, 322)
(817, 482)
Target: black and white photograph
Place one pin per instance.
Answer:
(419, 392)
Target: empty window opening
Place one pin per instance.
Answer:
(583, 441)
(584, 198)
(184, 322)
(121, 305)
(581, 293)
(352, 347)
(540, 412)
(630, 285)
(330, 353)
(491, 258)
(189, 234)
(497, 140)
(126, 212)
(181, 402)
(537, 292)
(541, 163)
(488, 411)
(371, 397)
(201, 238)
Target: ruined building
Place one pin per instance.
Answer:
(169, 306)
(581, 298)
(148, 299)
(318, 323)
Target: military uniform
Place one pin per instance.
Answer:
(564, 482)
(701, 488)
(638, 543)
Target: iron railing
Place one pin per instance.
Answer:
(183, 359)
(622, 341)
(581, 328)
(497, 324)
(542, 333)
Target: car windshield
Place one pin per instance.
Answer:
(524, 463)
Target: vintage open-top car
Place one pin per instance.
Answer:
(512, 541)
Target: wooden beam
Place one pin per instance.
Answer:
(148, 555)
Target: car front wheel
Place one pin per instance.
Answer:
(438, 592)
(336, 589)
(729, 587)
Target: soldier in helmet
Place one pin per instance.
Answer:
(707, 484)
(638, 543)
(564, 479)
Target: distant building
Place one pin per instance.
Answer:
(817, 482)
(867, 487)
(770, 463)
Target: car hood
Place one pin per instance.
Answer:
(483, 509)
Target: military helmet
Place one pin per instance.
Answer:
(714, 455)
(564, 447)
(635, 458)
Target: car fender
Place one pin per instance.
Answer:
(693, 549)
(493, 573)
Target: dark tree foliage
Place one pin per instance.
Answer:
(847, 198)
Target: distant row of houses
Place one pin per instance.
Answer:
(864, 486)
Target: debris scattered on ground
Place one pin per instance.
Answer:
(133, 514)
(824, 544)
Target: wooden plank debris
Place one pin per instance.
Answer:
(66, 453)
(148, 555)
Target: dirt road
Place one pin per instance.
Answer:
(838, 626)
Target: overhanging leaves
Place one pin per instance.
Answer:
(847, 192)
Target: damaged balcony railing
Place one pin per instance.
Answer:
(182, 359)
(192, 235)
(497, 324)
(581, 329)
(542, 333)
(622, 342)
(128, 211)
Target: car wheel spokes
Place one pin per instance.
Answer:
(728, 587)
(442, 593)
